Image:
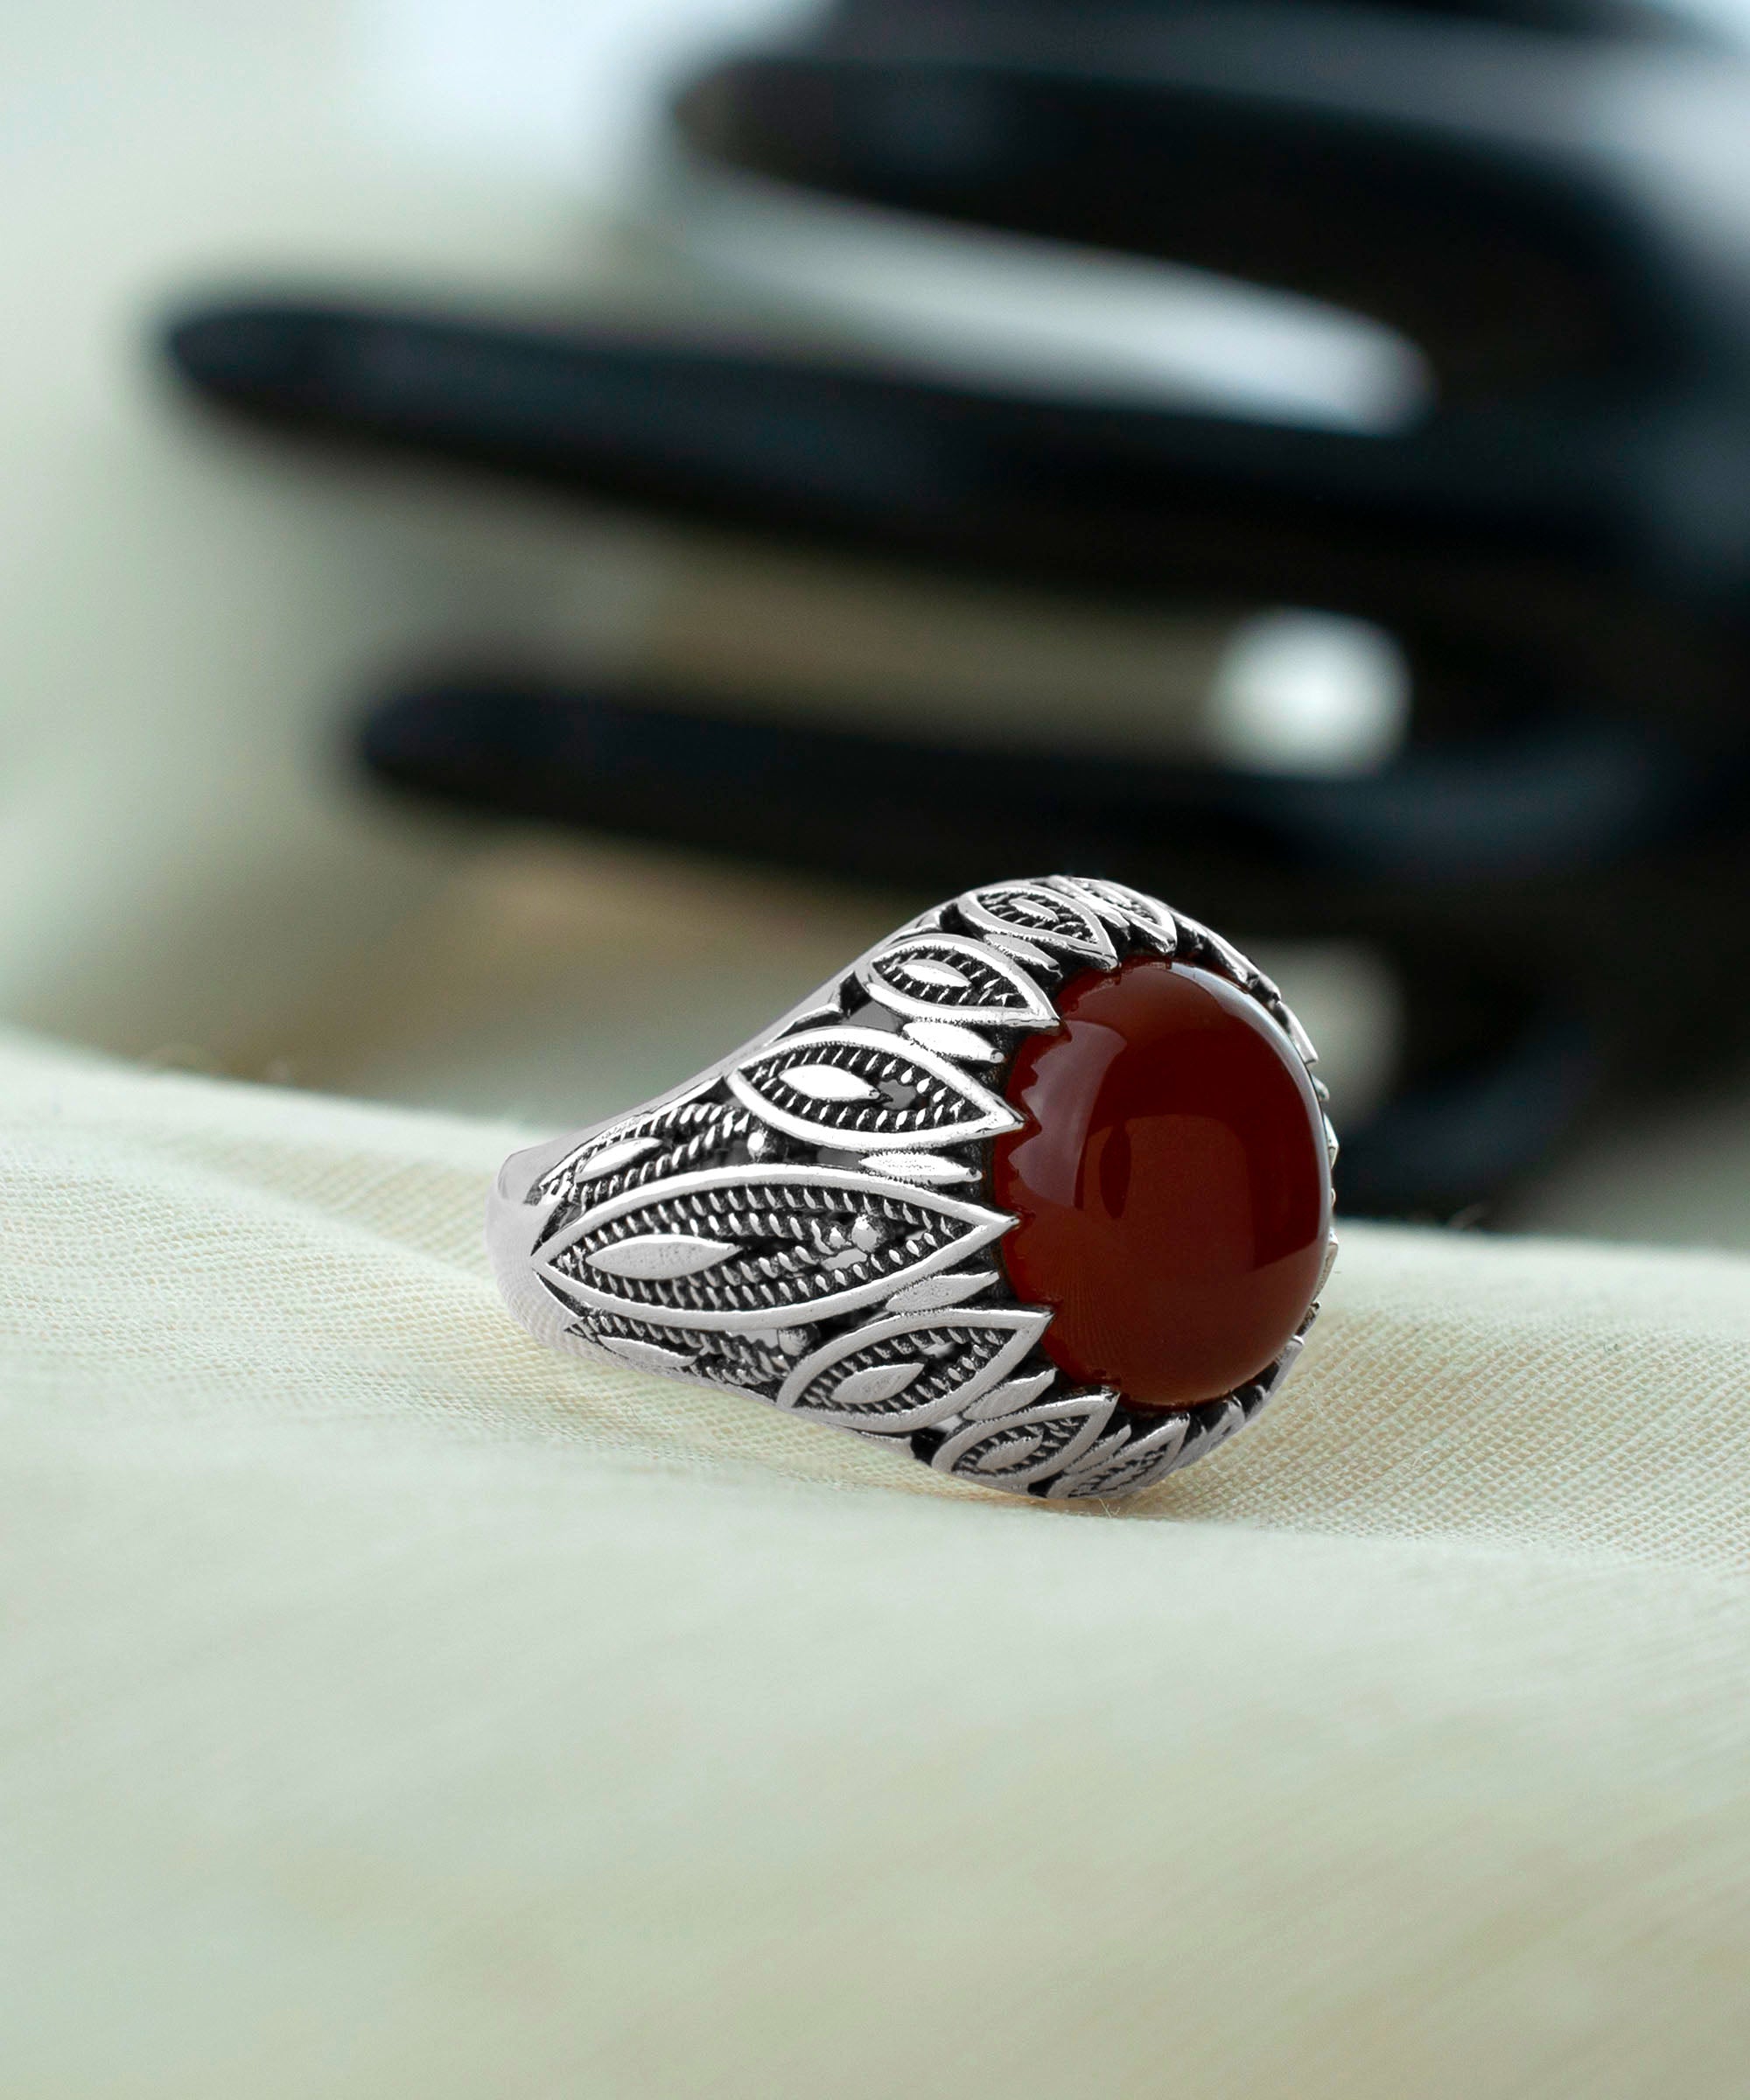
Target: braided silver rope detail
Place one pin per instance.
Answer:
(809, 1221)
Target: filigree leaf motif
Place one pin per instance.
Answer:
(948, 1038)
(1011, 1397)
(1029, 1445)
(899, 1374)
(935, 1292)
(1049, 918)
(597, 1163)
(1024, 951)
(799, 1244)
(863, 1089)
(1121, 905)
(829, 1083)
(877, 1384)
(949, 978)
(654, 1255)
(1123, 1465)
(671, 1140)
(916, 1166)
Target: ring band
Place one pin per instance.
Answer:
(1025, 1189)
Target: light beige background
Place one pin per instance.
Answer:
(386, 1707)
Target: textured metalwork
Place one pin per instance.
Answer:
(809, 1221)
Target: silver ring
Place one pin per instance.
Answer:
(817, 1221)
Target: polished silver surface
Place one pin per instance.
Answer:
(809, 1221)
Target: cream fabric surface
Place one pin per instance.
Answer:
(392, 1708)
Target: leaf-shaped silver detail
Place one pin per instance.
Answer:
(1051, 918)
(1011, 1397)
(946, 976)
(829, 1083)
(917, 1166)
(1123, 907)
(906, 1095)
(1029, 1445)
(950, 1357)
(875, 1384)
(942, 975)
(597, 1166)
(948, 1038)
(656, 1254)
(806, 1242)
(1125, 1463)
(1085, 889)
(686, 1135)
(1019, 951)
(935, 1292)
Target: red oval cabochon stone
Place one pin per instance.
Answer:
(1170, 1181)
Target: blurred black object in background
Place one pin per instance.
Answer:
(1552, 203)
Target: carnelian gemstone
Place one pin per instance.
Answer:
(1170, 1181)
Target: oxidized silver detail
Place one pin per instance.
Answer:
(851, 1087)
(949, 977)
(808, 1222)
(893, 1377)
(750, 1247)
(1041, 914)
